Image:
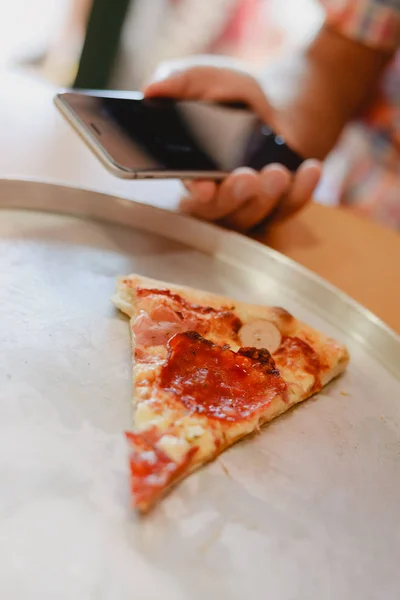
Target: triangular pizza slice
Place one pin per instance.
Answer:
(208, 371)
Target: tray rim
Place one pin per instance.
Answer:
(228, 246)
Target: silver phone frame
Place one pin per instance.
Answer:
(115, 168)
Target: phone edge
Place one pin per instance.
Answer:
(91, 142)
(115, 168)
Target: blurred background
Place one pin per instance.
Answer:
(127, 39)
(118, 43)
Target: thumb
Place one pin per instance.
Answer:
(212, 83)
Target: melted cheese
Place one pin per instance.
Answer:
(145, 418)
(193, 432)
(175, 448)
(206, 444)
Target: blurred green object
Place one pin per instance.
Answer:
(101, 44)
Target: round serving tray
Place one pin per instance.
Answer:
(307, 509)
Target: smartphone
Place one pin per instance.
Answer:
(140, 138)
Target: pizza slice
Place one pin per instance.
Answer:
(207, 372)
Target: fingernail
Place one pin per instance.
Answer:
(243, 187)
(275, 184)
(240, 190)
(312, 162)
(311, 171)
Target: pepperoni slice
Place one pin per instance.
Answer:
(217, 382)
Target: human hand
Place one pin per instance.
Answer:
(245, 198)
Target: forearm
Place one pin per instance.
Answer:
(349, 70)
(327, 84)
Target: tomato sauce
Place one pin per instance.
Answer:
(216, 382)
(151, 469)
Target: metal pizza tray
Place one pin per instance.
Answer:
(309, 509)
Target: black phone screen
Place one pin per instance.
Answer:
(169, 135)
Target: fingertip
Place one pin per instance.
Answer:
(166, 82)
(156, 88)
(244, 183)
(304, 183)
(312, 163)
(201, 191)
(244, 171)
(310, 172)
(276, 180)
(278, 167)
